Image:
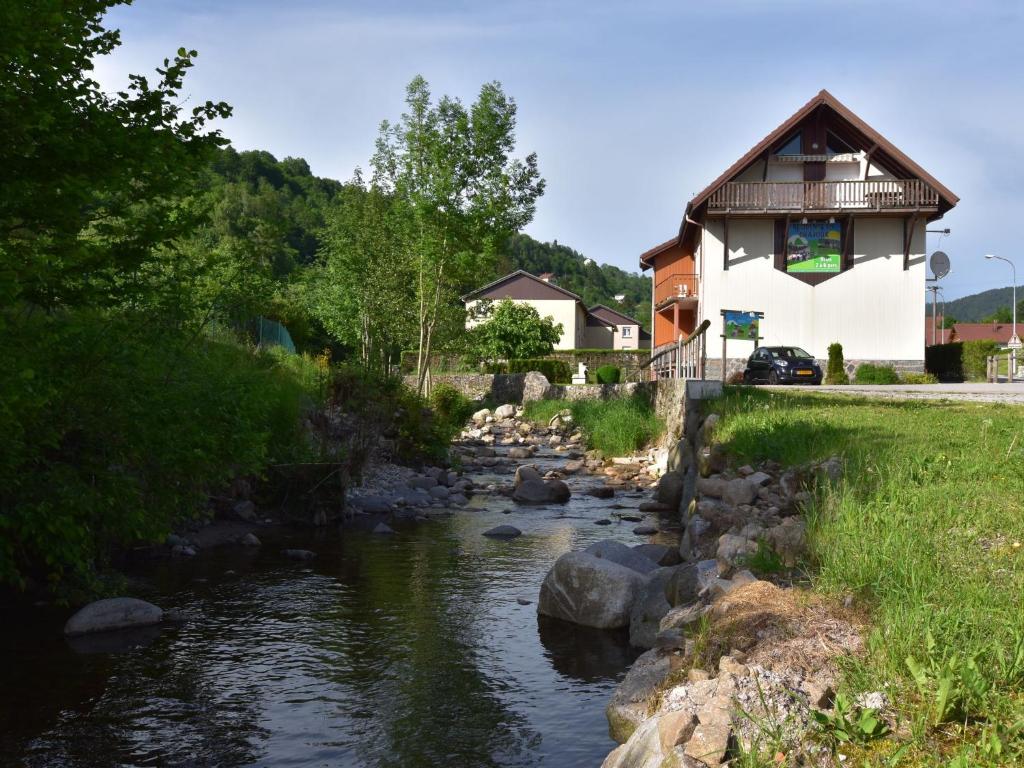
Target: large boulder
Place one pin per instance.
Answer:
(645, 619)
(642, 750)
(541, 492)
(536, 387)
(670, 490)
(659, 553)
(682, 586)
(590, 591)
(620, 553)
(631, 702)
(739, 491)
(506, 411)
(113, 613)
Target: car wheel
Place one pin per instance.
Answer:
(746, 377)
(773, 378)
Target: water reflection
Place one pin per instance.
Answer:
(409, 650)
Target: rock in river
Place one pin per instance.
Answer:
(541, 492)
(591, 591)
(298, 554)
(503, 532)
(113, 613)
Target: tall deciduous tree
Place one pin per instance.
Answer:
(451, 170)
(361, 290)
(89, 178)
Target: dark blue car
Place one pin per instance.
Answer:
(781, 365)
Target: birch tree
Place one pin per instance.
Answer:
(451, 170)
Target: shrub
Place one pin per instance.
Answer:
(975, 358)
(115, 428)
(736, 377)
(608, 374)
(556, 371)
(945, 361)
(869, 373)
(918, 378)
(836, 370)
(450, 406)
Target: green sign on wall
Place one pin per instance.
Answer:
(814, 247)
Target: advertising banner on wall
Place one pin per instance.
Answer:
(740, 325)
(814, 247)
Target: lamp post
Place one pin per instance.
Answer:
(1014, 343)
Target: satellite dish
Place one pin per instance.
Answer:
(940, 264)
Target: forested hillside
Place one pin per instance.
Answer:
(978, 307)
(595, 283)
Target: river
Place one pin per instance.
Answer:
(405, 650)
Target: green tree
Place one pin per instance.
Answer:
(89, 178)
(948, 321)
(361, 289)
(514, 331)
(450, 170)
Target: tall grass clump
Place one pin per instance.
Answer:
(616, 427)
(925, 529)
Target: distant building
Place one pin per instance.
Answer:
(547, 277)
(820, 227)
(998, 332)
(610, 329)
(597, 328)
(548, 299)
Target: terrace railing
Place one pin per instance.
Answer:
(684, 359)
(877, 195)
(681, 285)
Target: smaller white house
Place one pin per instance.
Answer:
(600, 327)
(548, 299)
(608, 328)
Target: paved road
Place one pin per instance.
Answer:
(984, 393)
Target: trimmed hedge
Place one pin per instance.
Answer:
(608, 374)
(959, 360)
(868, 373)
(836, 372)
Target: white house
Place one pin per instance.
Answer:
(820, 227)
(547, 298)
(608, 328)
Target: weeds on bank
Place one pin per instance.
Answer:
(616, 427)
(926, 531)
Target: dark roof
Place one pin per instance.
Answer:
(823, 98)
(593, 321)
(644, 335)
(519, 273)
(611, 316)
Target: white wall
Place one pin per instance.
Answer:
(565, 311)
(875, 310)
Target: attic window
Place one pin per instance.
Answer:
(836, 146)
(791, 147)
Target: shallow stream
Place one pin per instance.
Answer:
(404, 650)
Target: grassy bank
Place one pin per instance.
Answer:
(926, 529)
(616, 427)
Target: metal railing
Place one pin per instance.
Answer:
(684, 359)
(883, 194)
(680, 285)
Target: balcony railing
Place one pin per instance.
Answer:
(681, 359)
(878, 195)
(676, 285)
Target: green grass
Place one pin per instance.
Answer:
(616, 427)
(927, 530)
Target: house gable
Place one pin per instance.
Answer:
(522, 286)
(611, 316)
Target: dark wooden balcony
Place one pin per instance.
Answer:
(809, 196)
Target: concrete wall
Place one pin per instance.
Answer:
(875, 310)
(566, 311)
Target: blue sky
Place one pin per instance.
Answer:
(631, 107)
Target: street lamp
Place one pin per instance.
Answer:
(1015, 342)
(1014, 339)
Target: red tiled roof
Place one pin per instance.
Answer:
(1000, 332)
